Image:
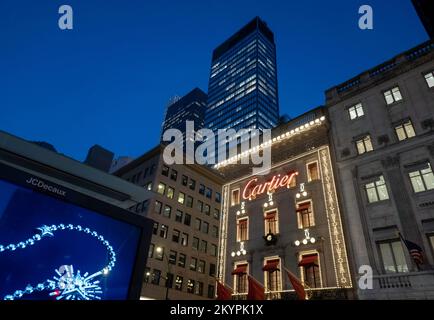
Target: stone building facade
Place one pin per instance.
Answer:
(286, 219)
(383, 140)
(186, 208)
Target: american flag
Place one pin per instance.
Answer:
(415, 251)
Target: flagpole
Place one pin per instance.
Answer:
(408, 249)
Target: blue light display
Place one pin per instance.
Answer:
(51, 249)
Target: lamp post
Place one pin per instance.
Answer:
(160, 250)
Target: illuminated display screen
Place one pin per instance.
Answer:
(51, 249)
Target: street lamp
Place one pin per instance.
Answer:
(160, 250)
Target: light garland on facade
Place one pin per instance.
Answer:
(306, 240)
(338, 247)
(240, 252)
(284, 136)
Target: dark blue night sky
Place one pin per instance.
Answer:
(108, 80)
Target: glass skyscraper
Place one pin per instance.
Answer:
(242, 90)
(190, 107)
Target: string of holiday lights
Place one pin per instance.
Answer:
(65, 284)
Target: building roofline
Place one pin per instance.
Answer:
(381, 72)
(158, 150)
(247, 29)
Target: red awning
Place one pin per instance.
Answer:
(303, 206)
(271, 266)
(270, 214)
(308, 260)
(240, 270)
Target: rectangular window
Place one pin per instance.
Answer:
(178, 283)
(147, 275)
(184, 239)
(211, 291)
(190, 286)
(272, 276)
(169, 280)
(213, 250)
(172, 256)
(181, 198)
(243, 229)
(205, 227)
(152, 169)
(310, 270)
(393, 257)
(157, 207)
(430, 79)
(181, 260)
(271, 222)
(156, 276)
(422, 180)
(199, 206)
(193, 264)
(178, 216)
(198, 289)
(201, 266)
(174, 175)
(216, 214)
(151, 250)
(165, 171)
(305, 215)
(312, 171)
(356, 111)
(431, 241)
(184, 180)
(161, 188)
(405, 131)
(155, 228)
(192, 184)
(235, 197)
(197, 224)
(206, 209)
(364, 145)
(175, 235)
(212, 270)
(203, 246)
(159, 254)
(170, 192)
(187, 219)
(393, 95)
(164, 231)
(218, 197)
(189, 202)
(240, 278)
(167, 211)
(201, 189)
(195, 244)
(208, 193)
(377, 191)
(215, 231)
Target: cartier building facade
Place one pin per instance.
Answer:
(383, 139)
(286, 219)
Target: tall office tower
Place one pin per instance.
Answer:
(191, 107)
(425, 10)
(242, 90)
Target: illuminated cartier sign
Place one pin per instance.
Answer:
(251, 190)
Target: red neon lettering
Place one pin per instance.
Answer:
(251, 190)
